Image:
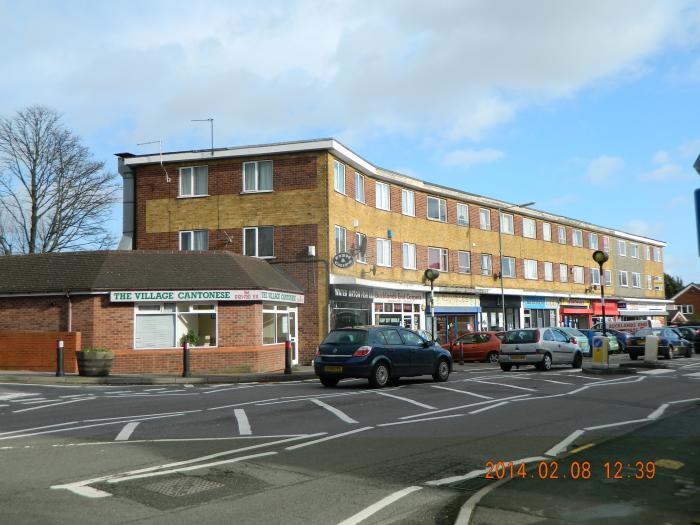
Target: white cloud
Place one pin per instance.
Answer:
(468, 157)
(660, 157)
(642, 227)
(601, 170)
(666, 173)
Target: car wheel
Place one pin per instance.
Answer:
(443, 371)
(578, 360)
(633, 357)
(669, 352)
(329, 381)
(505, 367)
(379, 376)
(546, 363)
(492, 358)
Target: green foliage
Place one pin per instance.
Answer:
(190, 338)
(94, 350)
(672, 285)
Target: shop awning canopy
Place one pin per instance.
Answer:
(610, 309)
(641, 313)
(575, 311)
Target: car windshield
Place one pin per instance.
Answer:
(520, 336)
(346, 337)
(648, 331)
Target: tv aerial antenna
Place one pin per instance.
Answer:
(160, 147)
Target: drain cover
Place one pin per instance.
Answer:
(180, 487)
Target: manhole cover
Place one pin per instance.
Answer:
(177, 488)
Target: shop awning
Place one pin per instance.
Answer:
(610, 309)
(640, 313)
(575, 311)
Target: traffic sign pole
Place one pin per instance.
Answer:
(697, 215)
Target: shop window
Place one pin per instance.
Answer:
(194, 181)
(462, 214)
(464, 262)
(259, 241)
(275, 324)
(508, 266)
(162, 325)
(257, 176)
(408, 203)
(437, 209)
(484, 219)
(194, 240)
(339, 177)
(437, 258)
(359, 188)
(382, 199)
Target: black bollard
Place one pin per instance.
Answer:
(59, 358)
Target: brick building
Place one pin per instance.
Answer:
(140, 303)
(299, 204)
(686, 305)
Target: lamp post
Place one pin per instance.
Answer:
(431, 274)
(601, 258)
(500, 256)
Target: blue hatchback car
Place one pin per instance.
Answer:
(380, 354)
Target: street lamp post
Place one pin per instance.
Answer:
(601, 258)
(431, 274)
(500, 256)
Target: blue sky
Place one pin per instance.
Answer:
(588, 108)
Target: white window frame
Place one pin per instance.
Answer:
(593, 240)
(192, 175)
(511, 264)
(442, 209)
(257, 230)
(686, 309)
(465, 207)
(359, 184)
(620, 280)
(503, 223)
(443, 256)
(192, 234)
(563, 273)
(561, 234)
(530, 269)
(408, 197)
(595, 276)
(546, 232)
(462, 268)
(608, 277)
(485, 213)
(634, 250)
(529, 228)
(650, 283)
(383, 192)
(384, 248)
(358, 241)
(606, 244)
(636, 278)
(488, 270)
(621, 248)
(657, 254)
(576, 238)
(339, 176)
(344, 233)
(577, 273)
(178, 309)
(548, 271)
(408, 251)
(257, 189)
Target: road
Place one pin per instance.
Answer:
(299, 453)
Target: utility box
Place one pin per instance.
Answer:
(601, 347)
(651, 348)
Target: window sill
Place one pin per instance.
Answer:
(407, 268)
(341, 192)
(384, 265)
(383, 209)
(192, 196)
(507, 233)
(436, 220)
(361, 202)
(463, 224)
(252, 192)
(408, 214)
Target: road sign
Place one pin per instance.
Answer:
(697, 214)
(597, 343)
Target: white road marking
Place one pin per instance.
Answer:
(656, 414)
(476, 473)
(217, 390)
(154, 389)
(684, 401)
(126, 432)
(334, 436)
(175, 440)
(51, 405)
(38, 428)
(74, 395)
(422, 405)
(488, 407)
(89, 492)
(243, 423)
(460, 407)
(507, 386)
(462, 392)
(418, 420)
(139, 416)
(618, 424)
(376, 507)
(340, 414)
(15, 395)
(656, 371)
(188, 385)
(561, 446)
(121, 391)
(696, 374)
(34, 401)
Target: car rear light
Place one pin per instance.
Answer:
(318, 351)
(362, 351)
(697, 331)
(574, 340)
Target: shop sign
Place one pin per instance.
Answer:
(456, 300)
(352, 293)
(540, 303)
(628, 326)
(582, 303)
(205, 295)
(398, 295)
(342, 292)
(343, 260)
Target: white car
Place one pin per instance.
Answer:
(541, 347)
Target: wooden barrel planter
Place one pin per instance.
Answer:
(94, 362)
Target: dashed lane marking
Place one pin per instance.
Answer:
(489, 407)
(460, 407)
(328, 438)
(501, 384)
(462, 392)
(339, 413)
(243, 423)
(417, 403)
(657, 371)
(51, 405)
(126, 432)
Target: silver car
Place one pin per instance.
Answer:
(541, 347)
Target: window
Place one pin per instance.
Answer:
(657, 254)
(437, 209)
(608, 277)
(464, 262)
(649, 282)
(530, 269)
(382, 196)
(561, 234)
(548, 272)
(578, 274)
(636, 280)
(621, 248)
(508, 266)
(593, 241)
(161, 325)
(463, 214)
(194, 240)
(486, 268)
(257, 176)
(359, 188)
(576, 238)
(408, 203)
(340, 240)
(546, 231)
(507, 223)
(563, 273)
(595, 276)
(259, 242)
(437, 258)
(529, 228)
(686, 308)
(409, 256)
(339, 177)
(360, 247)
(623, 279)
(276, 324)
(383, 252)
(606, 244)
(194, 181)
(484, 219)
(647, 253)
(634, 251)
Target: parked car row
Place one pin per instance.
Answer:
(671, 343)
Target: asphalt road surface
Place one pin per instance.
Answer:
(299, 453)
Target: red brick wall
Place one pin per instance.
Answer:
(691, 296)
(36, 351)
(33, 313)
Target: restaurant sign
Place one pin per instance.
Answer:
(204, 295)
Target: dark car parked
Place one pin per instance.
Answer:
(671, 342)
(380, 354)
(692, 334)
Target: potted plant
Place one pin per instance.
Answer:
(190, 338)
(94, 362)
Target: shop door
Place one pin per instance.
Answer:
(294, 335)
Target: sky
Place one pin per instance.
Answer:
(590, 109)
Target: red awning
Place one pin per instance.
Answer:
(610, 309)
(579, 311)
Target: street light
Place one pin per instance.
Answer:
(500, 255)
(601, 258)
(431, 274)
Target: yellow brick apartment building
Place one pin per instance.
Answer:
(300, 204)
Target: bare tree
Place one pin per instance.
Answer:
(53, 195)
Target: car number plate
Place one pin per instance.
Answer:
(517, 357)
(335, 369)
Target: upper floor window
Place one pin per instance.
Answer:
(647, 253)
(608, 277)
(576, 238)
(484, 219)
(657, 254)
(529, 228)
(686, 309)
(486, 268)
(621, 248)
(359, 188)
(437, 258)
(508, 266)
(257, 176)
(463, 214)
(382, 196)
(595, 276)
(593, 241)
(606, 244)
(548, 271)
(339, 176)
(259, 241)
(194, 181)
(636, 280)
(464, 262)
(507, 223)
(408, 203)
(561, 234)
(360, 247)
(563, 273)
(546, 231)
(437, 209)
(650, 286)
(578, 274)
(634, 251)
(530, 269)
(409, 256)
(340, 240)
(623, 279)
(194, 240)
(383, 252)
